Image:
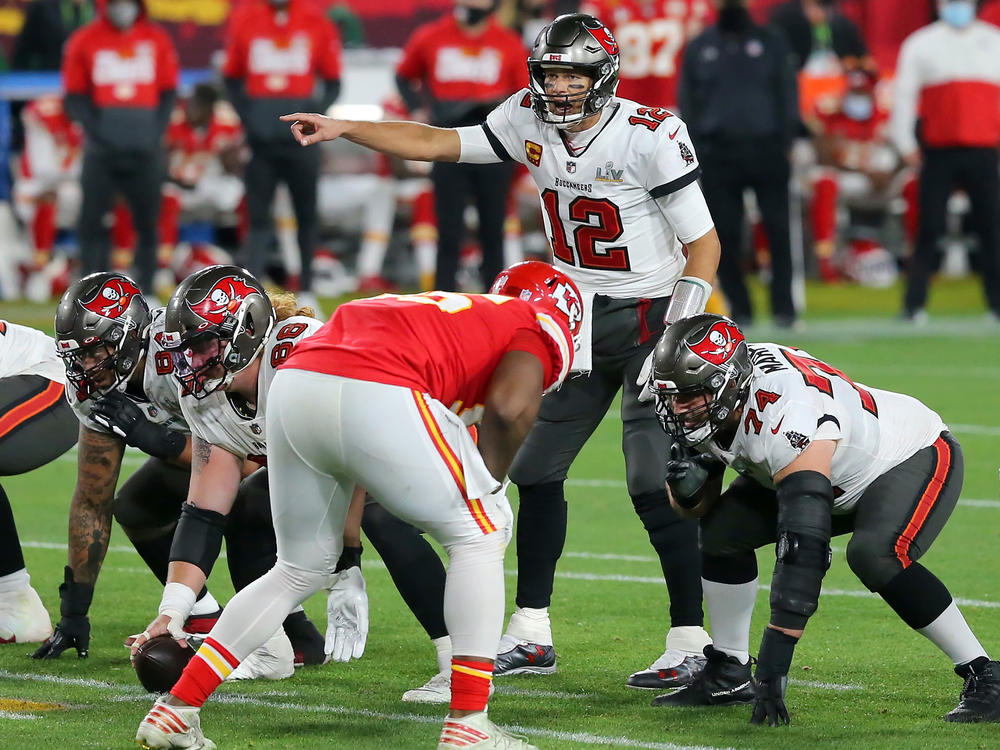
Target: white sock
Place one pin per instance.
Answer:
(690, 639)
(730, 607)
(205, 606)
(443, 646)
(531, 625)
(15, 581)
(952, 634)
(474, 596)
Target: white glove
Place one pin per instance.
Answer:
(347, 616)
(643, 380)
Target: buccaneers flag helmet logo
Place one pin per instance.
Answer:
(112, 299)
(719, 344)
(223, 299)
(603, 36)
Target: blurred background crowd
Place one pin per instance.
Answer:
(841, 140)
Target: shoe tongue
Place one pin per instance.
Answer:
(974, 667)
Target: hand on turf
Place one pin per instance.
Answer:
(347, 616)
(73, 631)
(769, 703)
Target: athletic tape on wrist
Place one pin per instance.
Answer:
(177, 599)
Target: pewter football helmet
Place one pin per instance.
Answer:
(704, 354)
(579, 42)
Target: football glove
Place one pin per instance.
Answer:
(687, 472)
(73, 630)
(769, 702)
(118, 413)
(347, 616)
(643, 379)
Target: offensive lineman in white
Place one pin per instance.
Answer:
(818, 455)
(620, 199)
(226, 337)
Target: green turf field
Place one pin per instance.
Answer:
(860, 678)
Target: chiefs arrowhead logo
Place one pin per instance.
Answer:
(112, 299)
(719, 344)
(223, 299)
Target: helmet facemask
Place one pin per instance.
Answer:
(547, 106)
(722, 398)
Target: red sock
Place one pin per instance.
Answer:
(470, 684)
(43, 230)
(204, 673)
(824, 208)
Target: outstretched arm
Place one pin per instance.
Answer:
(406, 140)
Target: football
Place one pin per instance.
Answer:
(159, 662)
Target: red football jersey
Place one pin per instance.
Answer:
(191, 149)
(457, 66)
(651, 36)
(280, 53)
(120, 68)
(440, 343)
(46, 117)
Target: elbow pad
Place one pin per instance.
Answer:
(198, 537)
(803, 549)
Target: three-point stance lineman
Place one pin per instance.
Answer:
(818, 455)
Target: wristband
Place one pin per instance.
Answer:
(689, 298)
(349, 558)
(74, 598)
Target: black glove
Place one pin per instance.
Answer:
(769, 702)
(120, 414)
(73, 630)
(687, 472)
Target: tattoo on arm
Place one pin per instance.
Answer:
(98, 463)
(202, 451)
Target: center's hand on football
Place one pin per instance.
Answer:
(311, 128)
(162, 625)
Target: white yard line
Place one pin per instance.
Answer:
(135, 694)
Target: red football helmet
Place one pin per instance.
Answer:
(544, 286)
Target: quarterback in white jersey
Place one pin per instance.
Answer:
(818, 455)
(36, 427)
(619, 192)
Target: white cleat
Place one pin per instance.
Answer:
(23, 617)
(436, 690)
(275, 660)
(477, 731)
(168, 726)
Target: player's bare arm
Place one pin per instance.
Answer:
(512, 403)
(352, 526)
(703, 256)
(98, 464)
(405, 140)
(215, 480)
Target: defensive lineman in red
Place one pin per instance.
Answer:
(381, 396)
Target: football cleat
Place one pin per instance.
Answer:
(980, 700)
(436, 690)
(167, 726)
(275, 660)
(673, 669)
(477, 731)
(307, 642)
(201, 625)
(521, 657)
(23, 617)
(723, 682)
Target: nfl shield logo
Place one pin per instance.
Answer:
(571, 166)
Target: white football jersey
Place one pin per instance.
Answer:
(795, 399)
(606, 229)
(25, 351)
(161, 404)
(223, 421)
